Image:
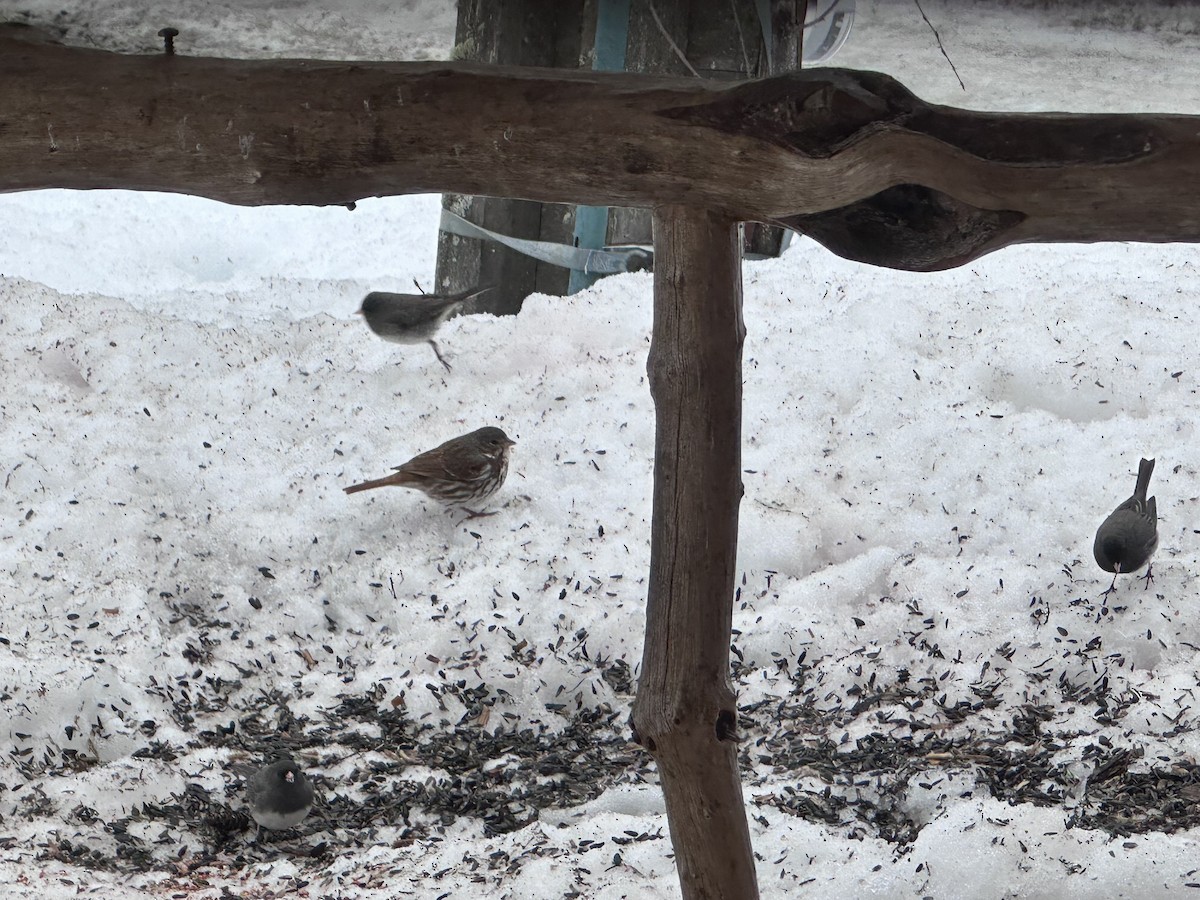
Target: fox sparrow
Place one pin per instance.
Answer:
(463, 472)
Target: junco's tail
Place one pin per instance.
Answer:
(1145, 470)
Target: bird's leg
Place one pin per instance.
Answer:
(1148, 577)
(1112, 587)
(438, 353)
(476, 514)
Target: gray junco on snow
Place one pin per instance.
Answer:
(1127, 539)
(279, 796)
(412, 318)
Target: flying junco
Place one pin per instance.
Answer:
(1127, 539)
(279, 796)
(413, 318)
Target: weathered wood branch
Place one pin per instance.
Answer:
(851, 158)
(685, 712)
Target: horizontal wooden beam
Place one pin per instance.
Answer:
(851, 158)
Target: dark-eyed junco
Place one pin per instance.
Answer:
(413, 318)
(1127, 539)
(464, 470)
(279, 796)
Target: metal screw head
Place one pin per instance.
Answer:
(168, 35)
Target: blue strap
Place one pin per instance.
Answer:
(581, 259)
(591, 222)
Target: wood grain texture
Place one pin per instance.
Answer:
(685, 712)
(851, 158)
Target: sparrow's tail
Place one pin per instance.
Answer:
(375, 483)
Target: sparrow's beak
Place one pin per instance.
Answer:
(289, 777)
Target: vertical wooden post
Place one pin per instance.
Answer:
(685, 713)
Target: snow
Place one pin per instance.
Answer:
(185, 587)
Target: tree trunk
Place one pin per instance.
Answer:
(685, 713)
(544, 33)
